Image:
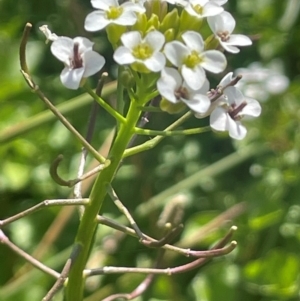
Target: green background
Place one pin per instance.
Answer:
(261, 191)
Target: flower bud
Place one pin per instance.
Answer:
(127, 79)
(114, 33)
(169, 35)
(153, 23)
(171, 108)
(211, 43)
(141, 23)
(188, 22)
(171, 20)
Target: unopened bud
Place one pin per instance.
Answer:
(171, 108)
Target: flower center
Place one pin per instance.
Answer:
(198, 9)
(114, 12)
(142, 51)
(193, 59)
(224, 35)
(181, 93)
(234, 110)
(76, 61)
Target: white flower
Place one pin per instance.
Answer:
(171, 86)
(192, 58)
(79, 59)
(222, 26)
(143, 51)
(109, 11)
(203, 8)
(227, 116)
(47, 32)
(219, 2)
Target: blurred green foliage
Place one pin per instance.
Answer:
(266, 264)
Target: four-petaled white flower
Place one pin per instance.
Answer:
(79, 59)
(110, 12)
(203, 8)
(227, 116)
(192, 58)
(222, 26)
(144, 51)
(171, 86)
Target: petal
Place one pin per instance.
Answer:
(236, 129)
(71, 77)
(84, 44)
(226, 79)
(221, 22)
(193, 41)
(123, 56)
(96, 21)
(126, 18)
(218, 119)
(214, 61)
(194, 78)
(93, 62)
(211, 9)
(199, 103)
(156, 39)
(156, 62)
(234, 96)
(176, 52)
(129, 6)
(252, 108)
(131, 39)
(62, 49)
(239, 40)
(228, 48)
(105, 5)
(168, 83)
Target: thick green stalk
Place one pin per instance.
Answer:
(88, 224)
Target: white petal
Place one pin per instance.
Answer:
(193, 41)
(199, 103)
(226, 79)
(168, 83)
(214, 61)
(84, 44)
(96, 21)
(155, 39)
(105, 5)
(126, 18)
(221, 22)
(176, 52)
(93, 62)
(218, 119)
(129, 6)
(156, 62)
(219, 2)
(131, 39)
(211, 9)
(62, 48)
(239, 40)
(194, 78)
(236, 129)
(252, 108)
(123, 56)
(234, 95)
(71, 77)
(228, 48)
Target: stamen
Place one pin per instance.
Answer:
(235, 110)
(77, 60)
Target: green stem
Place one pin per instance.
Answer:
(88, 225)
(105, 105)
(194, 131)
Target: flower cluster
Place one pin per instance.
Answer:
(165, 51)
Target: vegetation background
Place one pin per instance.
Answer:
(261, 191)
